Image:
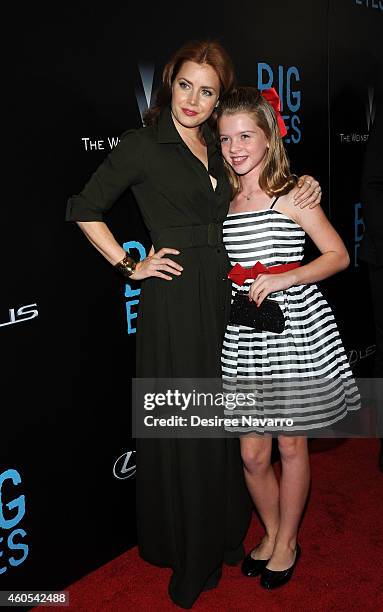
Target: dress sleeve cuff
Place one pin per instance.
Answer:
(79, 210)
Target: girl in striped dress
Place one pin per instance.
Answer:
(300, 378)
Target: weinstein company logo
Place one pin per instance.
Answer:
(143, 91)
(144, 87)
(370, 109)
(99, 144)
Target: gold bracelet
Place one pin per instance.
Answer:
(126, 266)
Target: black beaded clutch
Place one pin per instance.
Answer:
(267, 317)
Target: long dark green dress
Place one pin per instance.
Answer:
(193, 508)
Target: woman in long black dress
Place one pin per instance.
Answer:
(193, 509)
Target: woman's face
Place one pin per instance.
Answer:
(195, 92)
(243, 143)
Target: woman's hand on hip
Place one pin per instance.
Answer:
(156, 264)
(308, 192)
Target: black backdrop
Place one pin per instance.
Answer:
(77, 78)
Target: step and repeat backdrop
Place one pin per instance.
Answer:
(77, 78)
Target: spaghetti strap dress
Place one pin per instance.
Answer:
(298, 381)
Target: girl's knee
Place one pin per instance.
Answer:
(292, 447)
(255, 459)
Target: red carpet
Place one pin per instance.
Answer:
(341, 568)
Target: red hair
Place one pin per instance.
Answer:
(201, 52)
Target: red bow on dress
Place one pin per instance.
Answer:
(238, 274)
(273, 99)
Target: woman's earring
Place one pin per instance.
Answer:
(216, 106)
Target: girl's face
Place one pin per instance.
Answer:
(195, 92)
(243, 143)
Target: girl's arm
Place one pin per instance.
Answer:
(334, 257)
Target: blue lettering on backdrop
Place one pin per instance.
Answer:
(285, 83)
(17, 546)
(131, 304)
(358, 231)
(17, 504)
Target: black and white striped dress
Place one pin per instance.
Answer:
(303, 373)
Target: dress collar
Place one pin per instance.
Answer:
(167, 131)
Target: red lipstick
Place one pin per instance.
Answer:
(189, 113)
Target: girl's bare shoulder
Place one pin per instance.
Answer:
(286, 205)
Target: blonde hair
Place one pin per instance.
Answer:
(275, 177)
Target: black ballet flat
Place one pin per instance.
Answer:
(253, 567)
(272, 580)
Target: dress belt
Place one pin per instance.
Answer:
(238, 274)
(189, 236)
